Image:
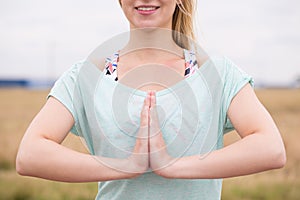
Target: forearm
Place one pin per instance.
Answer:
(252, 154)
(49, 160)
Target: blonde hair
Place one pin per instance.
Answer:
(182, 23)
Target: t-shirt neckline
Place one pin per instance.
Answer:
(198, 70)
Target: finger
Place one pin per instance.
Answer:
(153, 98)
(153, 109)
(147, 100)
(154, 128)
(145, 112)
(144, 116)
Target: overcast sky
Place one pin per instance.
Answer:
(41, 39)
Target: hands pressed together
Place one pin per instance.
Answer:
(150, 148)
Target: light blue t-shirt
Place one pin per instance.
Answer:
(192, 115)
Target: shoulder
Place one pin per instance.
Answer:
(228, 70)
(78, 66)
(80, 69)
(223, 64)
(66, 82)
(73, 71)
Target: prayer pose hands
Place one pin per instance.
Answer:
(150, 148)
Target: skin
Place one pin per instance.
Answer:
(261, 147)
(166, 9)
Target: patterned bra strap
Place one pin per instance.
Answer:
(190, 63)
(111, 64)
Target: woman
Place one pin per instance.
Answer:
(170, 145)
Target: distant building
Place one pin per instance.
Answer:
(25, 83)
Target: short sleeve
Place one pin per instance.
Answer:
(234, 80)
(63, 91)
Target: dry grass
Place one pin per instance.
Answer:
(18, 107)
(284, 106)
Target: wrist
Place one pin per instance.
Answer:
(179, 168)
(169, 170)
(117, 169)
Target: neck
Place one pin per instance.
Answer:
(151, 42)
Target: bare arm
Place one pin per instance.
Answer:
(42, 155)
(261, 147)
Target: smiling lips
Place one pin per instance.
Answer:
(146, 10)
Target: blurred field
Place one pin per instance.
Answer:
(18, 107)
